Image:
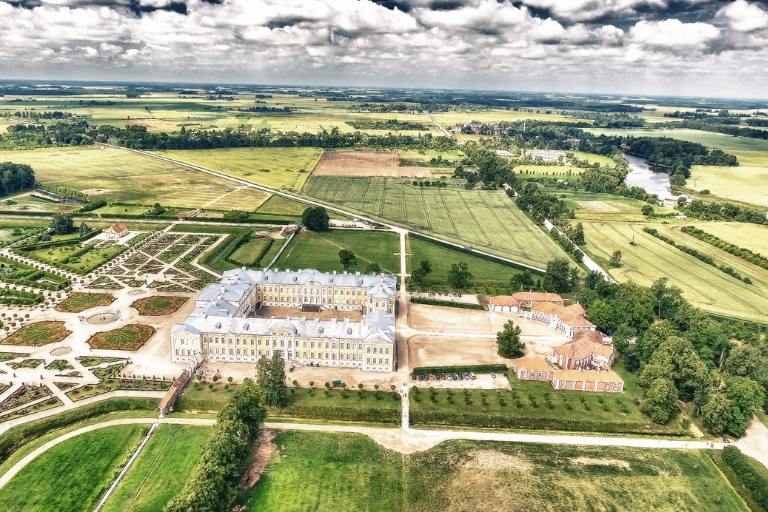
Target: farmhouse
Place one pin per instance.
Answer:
(116, 231)
(309, 317)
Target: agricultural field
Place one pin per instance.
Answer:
(368, 163)
(488, 276)
(131, 178)
(749, 236)
(281, 207)
(453, 117)
(748, 182)
(324, 472)
(72, 475)
(486, 220)
(321, 250)
(589, 206)
(704, 285)
(280, 168)
(160, 471)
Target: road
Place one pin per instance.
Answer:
(442, 128)
(403, 440)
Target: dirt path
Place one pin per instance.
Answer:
(264, 453)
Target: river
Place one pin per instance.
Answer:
(641, 175)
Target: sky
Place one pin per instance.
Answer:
(674, 47)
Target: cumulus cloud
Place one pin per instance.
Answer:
(530, 44)
(744, 16)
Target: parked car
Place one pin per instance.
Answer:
(493, 375)
(413, 376)
(455, 376)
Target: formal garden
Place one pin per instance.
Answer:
(127, 337)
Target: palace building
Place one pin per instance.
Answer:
(312, 318)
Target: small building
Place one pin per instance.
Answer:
(533, 368)
(503, 304)
(566, 320)
(606, 381)
(116, 231)
(528, 299)
(547, 155)
(583, 353)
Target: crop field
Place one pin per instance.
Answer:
(341, 473)
(704, 285)
(72, 475)
(748, 182)
(604, 207)
(119, 175)
(321, 250)
(486, 220)
(282, 206)
(160, 471)
(366, 163)
(495, 116)
(281, 168)
(750, 236)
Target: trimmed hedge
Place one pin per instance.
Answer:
(485, 420)
(745, 254)
(16, 437)
(366, 414)
(476, 368)
(225, 249)
(747, 475)
(446, 303)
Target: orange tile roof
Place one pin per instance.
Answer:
(583, 348)
(593, 336)
(577, 308)
(535, 364)
(504, 300)
(588, 375)
(537, 297)
(566, 315)
(119, 228)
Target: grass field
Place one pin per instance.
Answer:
(604, 207)
(748, 182)
(340, 473)
(65, 256)
(131, 177)
(279, 205)
(750, 236)
(487, 276)
(160, 470)
(495, 116)
(127, 337)
(705, 286)
(78, 302)
(281, 168)
(37, 334)
(73, 475)
(486, 220)
(321, 250)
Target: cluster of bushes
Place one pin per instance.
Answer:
(699, 209)
(446, 303)
(486, 420)
(92, 205)
(706, 258)
(21, 435)
(745, 254)
(747, 475)
(214, 480)
(19, 297)
(427, 183)
(477, 368)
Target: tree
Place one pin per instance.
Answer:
(615, 260)
(577, 235)
(558, 276)
(522, 281)
(155, 210)
(716, 413)
(83, 229)
(419, 274)
(373, 268)
(459, 277)
(508, 341)
(647, 210)
(271, 380)
(347, 259)
(660, 401)
(315, 218)
(62, 224)
(746, 396)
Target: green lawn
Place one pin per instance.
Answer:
(281, 206)
(160, 470)
(70, 257)
(604, 207)
(487, 220)
(118, 175)
(73, 475)
(535, 405)
(282, 168)
(250, 252)
(488, 276)
(350, 473)
(703, 285)
(320, 250)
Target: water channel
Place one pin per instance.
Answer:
(641, 175)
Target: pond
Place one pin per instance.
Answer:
(641, 175)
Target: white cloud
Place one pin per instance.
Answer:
(744, 16)
(673, 33)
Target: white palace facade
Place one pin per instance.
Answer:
(312, 318)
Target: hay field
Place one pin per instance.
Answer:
(281, 168)
(129, 177)
(750, 236)
(486, 220)
(366, 163)
(703, 285)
